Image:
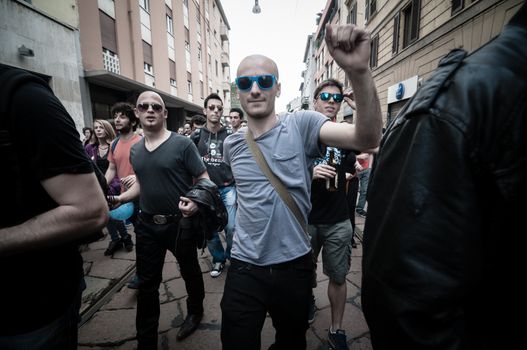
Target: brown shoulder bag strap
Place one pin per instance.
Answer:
(274, 180)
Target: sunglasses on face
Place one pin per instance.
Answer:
(325, 96)
(143, 107)
(213, 107)
(265, 82)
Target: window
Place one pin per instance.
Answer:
(216, 61)
(374, 51)
(172, 69)
(147, 58)
(396, 23)
(108, 34)
(457, 5)
(371, 8)
(145, 5)
(411, 22)
(201, 89)
(352, 15)
(189, 83)
(170, 25)
(187, 39)
(148, 68)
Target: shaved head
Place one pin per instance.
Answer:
(259, 103)
(151, 94)
(258, 61)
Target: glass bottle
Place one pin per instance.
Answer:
(332, 184)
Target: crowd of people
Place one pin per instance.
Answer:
(447, 175)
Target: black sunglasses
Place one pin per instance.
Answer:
(265, 82)
(325, 96)
(213, 107)
(143, 107)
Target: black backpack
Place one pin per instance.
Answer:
(11, 79)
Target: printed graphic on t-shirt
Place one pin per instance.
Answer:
(214, 155)
(337, 156)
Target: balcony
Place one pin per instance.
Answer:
(225, 59)
(224, 33)
(226, 86)
(111, 61)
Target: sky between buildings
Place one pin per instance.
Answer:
(280, 32)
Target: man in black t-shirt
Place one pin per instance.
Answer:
(165, 164)
(329, 225)
(51, 200)
(209, 141)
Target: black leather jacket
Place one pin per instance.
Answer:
(446, 200)
(212, 215)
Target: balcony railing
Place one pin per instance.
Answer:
(111, 61)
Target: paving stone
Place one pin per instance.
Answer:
(111, 327)
(111, 268)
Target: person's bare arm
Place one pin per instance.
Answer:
(82, 210)
(129, 195)
(350, 48)
(110, 173)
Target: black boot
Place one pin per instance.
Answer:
(113, 247)
(189, 326)
(128, 244)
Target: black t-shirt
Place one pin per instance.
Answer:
(37, 287)
(166, 173)
(329, 207)
(210, 147)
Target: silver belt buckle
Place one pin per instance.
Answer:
(160, 219)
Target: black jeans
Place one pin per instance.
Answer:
(283, 290)
(153, 241)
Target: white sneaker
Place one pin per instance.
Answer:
(217, 269)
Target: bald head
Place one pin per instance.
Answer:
(151, 95)
(257, 64)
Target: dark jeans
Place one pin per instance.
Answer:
(283, 290)
(153, 241)
(116, 229)
(59, 334)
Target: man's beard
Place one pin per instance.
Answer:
(125, 129)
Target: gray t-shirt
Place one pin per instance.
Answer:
(266, 231)
(166, 173)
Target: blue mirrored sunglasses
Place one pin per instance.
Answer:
(265, 82)
(325, 96)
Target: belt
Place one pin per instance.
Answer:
(302, 261)
(159, 219)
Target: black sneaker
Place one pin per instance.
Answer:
(217, 269)
(128, 244)
(113, 247)
(337, 340)
(312, 310)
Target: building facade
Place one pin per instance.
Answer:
(97, 53)
(178, 48)
(45, 43)
(409, 37)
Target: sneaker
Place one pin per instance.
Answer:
(312, 310)
(217, 269)
(134, 283)
(128, 244)
(113, 247)
(337, 340)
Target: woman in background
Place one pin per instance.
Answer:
(98, 153)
